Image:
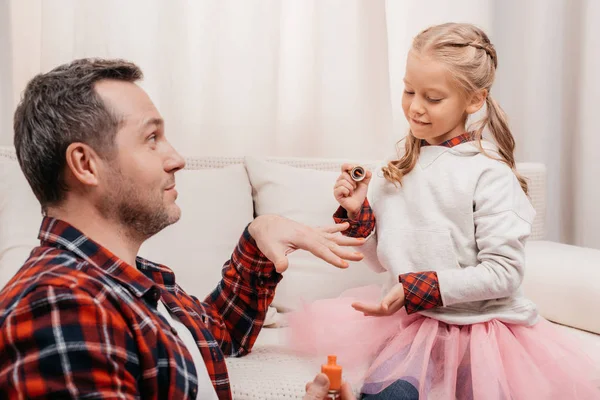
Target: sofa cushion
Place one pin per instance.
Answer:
(305, 195)
(563, 282)
(20, 219)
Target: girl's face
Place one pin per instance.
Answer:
(434, 106)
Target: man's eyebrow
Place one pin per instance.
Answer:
(156, 122)
(153, 121)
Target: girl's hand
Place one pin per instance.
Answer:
(350, 194)
(391, 303)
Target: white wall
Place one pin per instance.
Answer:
(587, 134)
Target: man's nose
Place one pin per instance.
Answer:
(174, 161)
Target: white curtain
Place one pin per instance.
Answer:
(305, 77)
(323, 78)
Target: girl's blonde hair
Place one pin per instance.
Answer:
(471, 59)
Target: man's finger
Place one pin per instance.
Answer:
(347, 392)
(345, 253)
(342, 252)
(342, 240)
(277, 255)
(314, 244)
(318, 388)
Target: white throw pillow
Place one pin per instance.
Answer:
(304, 195)
(562, 280)
(216, 206)
(20, 219)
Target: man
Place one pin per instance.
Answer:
(85, 317)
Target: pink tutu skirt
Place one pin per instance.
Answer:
(490, 360)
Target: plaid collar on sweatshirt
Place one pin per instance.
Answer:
(455, 141)
(76, 320)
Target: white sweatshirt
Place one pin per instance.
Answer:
(465, 216)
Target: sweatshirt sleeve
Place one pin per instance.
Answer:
(503, 216)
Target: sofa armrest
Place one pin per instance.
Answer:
(564, 282)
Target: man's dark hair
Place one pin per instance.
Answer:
(59, 108)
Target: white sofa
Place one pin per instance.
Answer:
(219, 196)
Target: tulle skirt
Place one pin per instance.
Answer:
(490, 360)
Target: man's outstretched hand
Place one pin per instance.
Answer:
(277, 237)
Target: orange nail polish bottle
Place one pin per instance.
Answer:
(334, 373)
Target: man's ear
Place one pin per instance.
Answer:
(476, 101)
(83, 163)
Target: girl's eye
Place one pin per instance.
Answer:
(409, 92)
(434, 100)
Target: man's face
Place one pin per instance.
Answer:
(138, 185)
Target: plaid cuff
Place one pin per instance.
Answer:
(253, 266)
(362, 226)
(421, 291)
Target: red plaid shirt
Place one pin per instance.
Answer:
(76, 321)
(455, 141)
(421, 289)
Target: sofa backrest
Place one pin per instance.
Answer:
(535, 173)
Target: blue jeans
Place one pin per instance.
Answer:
(399, 390)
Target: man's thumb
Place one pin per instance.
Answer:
(277, 256)
(318, 388)
(281, 263)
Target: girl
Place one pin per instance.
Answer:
(448, 222)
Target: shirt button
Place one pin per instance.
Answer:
(193, 392)
(156, 295)
(174, 331)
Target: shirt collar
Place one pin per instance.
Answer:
(62, 235)
(455, 141)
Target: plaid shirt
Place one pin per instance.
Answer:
(76, 321)
(421, 289)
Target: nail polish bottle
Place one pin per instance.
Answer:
(334, 373)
